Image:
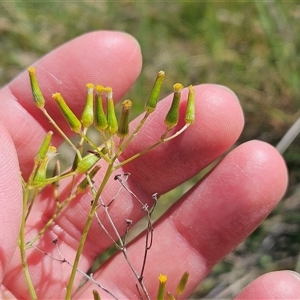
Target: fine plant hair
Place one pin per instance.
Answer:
(98, 113)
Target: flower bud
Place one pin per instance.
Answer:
(172, 116)
(100, 121)
(161, 288)
(44, 147)
(153, 98)
(182, 283)
(87, 163)
(123, 128)
(87, 118)
(39, 177)
(111, 114)
(36, 91)
(96, 295)
(190, 107)
(70, 117)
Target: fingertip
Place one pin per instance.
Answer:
(220, 114)
(266, 165)
(110, 58)
(287, 286)
(101, 57)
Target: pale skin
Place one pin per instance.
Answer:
(203, 227)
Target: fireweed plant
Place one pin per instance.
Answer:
(99, 112)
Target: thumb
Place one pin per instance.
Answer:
(10, 199)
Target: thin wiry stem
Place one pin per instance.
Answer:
(162, 140)
(149, 232)
(29, 282)
(149, 235)
(64, 260)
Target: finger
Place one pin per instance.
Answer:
(219, 123)
(275, 285)
(105, 57)
(206, 224)
(10, 199)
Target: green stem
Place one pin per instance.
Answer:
(124, 162)
(31, 204)
(86, 230)
(95, 147)
(51, 220)
(61, 132)
(23, 247)
(162, 140)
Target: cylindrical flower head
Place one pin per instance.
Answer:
(39, 99)
(87, 163)
(190, 107)
(161, 288)
(153, 98)
(100, 121)
(182, 283)
(70, 117)
(123, 128)
(44, 147)
(87, 118)
(172, 116)
(39, 177)
(112, 121)
(96, 295)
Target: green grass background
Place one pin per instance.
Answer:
(250, 46)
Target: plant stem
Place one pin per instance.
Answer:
(22, 247)
(61, 132)
(162, 140)
(86, 229)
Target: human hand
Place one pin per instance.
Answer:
(201, 228)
